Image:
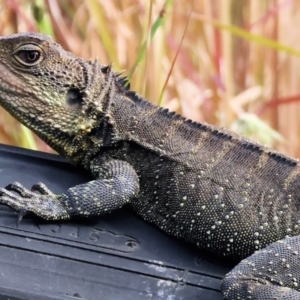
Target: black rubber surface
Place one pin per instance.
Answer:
(117, 256)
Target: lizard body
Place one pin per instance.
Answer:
(197, 182)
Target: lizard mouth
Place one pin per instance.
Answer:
(9, 82)
(15, 96)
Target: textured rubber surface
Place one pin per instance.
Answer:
(117, 256)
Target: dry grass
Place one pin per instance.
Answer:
(237, 66)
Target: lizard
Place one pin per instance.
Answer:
(197, 182)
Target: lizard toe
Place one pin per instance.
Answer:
(20, 189)
(41, 188)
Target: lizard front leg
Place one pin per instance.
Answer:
(116, 184)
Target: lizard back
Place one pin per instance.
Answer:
(205, 184)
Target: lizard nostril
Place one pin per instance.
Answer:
(74, 97)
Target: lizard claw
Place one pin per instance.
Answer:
(21, 214)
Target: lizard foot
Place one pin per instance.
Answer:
(45, 205)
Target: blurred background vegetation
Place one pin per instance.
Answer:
(232, 63)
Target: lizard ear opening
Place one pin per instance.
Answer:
(74, 98)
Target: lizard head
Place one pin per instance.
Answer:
(50, 90)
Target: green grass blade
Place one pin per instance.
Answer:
(103, 30)
(156, 25)
(250, 36)
(27, 138)
(41, 17)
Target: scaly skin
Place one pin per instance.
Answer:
(196, 182)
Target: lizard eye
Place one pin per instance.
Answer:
(28, 55)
